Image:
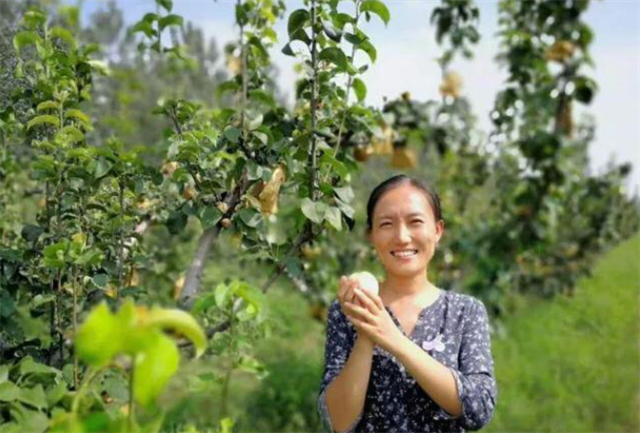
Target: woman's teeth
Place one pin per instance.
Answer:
(404, 253)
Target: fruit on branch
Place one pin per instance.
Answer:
(384, 145)
(451, 85)
(311, 251)
(189, 193)
(366, 281)
(234, 64)
(226, 223)
(169, 168)
(403, 157)
(564, 117)
(177, 287)
(132, 278)
(267, 193)
(362, 152)
(560, 51)
(222, 207)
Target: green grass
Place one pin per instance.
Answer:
(573, 364)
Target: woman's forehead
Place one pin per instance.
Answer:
(402, 201)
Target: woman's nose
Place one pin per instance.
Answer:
(403, 234)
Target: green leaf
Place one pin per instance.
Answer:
(222, 294)
(100, 280)
(116, 387)
(286, 50)
(29, 366)
(33, 397)
(251, 217)
(70, 134)
(45, 118)
(360, 89)
(210, 217)
(334, 55)
(34, 18)
(170, 20)
(22, 39)
(341, 19)
(232, 134)
(48, 105)
(99, 66)
(297, 20)
(176, 222)
(256, 42)
(368, 48)
(378, 8)
(7, 308)
(354, 39)
(154, 367)
(301, 35)
(90, 258)
(145, 27)
(99, 338)
(345, 193)
(102, 167)
(250, 294)
(332, 33)
(180, 322)
(8, 391)
(31, 232)
(347, 210)
(55, 394)
(74, 113)
(4, 373)
(337, 165)
(334, 216)
(167, 4)
(54, 255)
(65, 35)
(313, 210)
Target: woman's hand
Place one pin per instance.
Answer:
(346, 295)
(372, 320)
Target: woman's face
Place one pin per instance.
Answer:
(404, 232)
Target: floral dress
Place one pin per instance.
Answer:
(454, 330)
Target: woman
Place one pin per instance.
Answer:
(415, 358)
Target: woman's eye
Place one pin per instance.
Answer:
(385, 224)
(416, 221)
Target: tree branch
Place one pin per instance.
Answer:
(208, 237)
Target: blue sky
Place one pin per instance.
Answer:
(407, 49)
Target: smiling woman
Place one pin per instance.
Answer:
(414, 358)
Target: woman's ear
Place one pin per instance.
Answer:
(439, 230)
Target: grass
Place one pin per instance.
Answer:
(573, 364)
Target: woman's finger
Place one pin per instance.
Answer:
(359, 312)
(366, 300)
(361, 326)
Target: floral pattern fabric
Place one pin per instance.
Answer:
(455, 331)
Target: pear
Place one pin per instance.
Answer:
(366, 281)
(268, 197)
(403, 158)
(560, 51)
(451, 85)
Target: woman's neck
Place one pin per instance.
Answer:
(398, 287)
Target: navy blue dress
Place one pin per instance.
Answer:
(454, 330)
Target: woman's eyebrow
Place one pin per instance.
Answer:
(411, 215)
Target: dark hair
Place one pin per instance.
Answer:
(395, 181)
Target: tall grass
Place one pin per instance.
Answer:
(573, 364)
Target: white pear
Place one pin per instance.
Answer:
(367, 281)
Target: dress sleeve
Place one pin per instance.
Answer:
(340, 340)
(475, 379)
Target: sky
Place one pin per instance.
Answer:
(406, 62)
